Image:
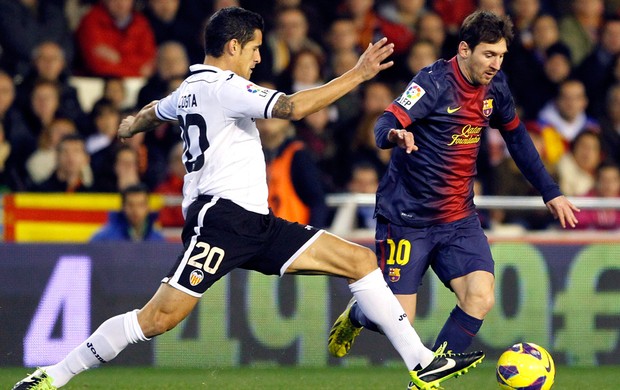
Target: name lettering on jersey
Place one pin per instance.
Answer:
(412, 94)
(187, 101)
(253, 88)
(469, 135)
(487, 107)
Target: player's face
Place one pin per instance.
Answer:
(482, 64)
(249, 56)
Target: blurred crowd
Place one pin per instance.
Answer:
(563, 68)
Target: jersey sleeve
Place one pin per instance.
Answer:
(166, 108)
(505, 116)
(417, 101)
(242, 98)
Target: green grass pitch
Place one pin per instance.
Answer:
(280, 378)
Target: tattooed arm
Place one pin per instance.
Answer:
(303, 103)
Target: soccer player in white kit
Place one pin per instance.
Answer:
(228, 224)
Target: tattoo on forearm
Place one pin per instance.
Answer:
(283, 108)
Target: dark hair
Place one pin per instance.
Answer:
(71, 138)
(230, 23)
(139, 188)
(486, 27)
(585, 133)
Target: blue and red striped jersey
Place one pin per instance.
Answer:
(447, 116)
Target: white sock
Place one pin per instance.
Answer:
(380, 305)
(103, 345)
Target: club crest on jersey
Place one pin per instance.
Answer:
(394, 274)
(487, 107)
(412, 94)
(196, 277)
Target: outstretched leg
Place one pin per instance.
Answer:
(163, 312)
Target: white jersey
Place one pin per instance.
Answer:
(222, 151)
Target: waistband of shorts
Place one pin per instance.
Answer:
(204, 198)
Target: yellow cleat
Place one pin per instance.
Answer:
(343, 333)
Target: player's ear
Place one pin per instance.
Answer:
(464, 49)
(233, 46)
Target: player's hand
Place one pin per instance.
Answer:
(370, 62)
(124, 130)
(563, 210)
(403, 139)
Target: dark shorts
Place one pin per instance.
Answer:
(220, 236)
(453, 250)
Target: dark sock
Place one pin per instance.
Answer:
(459, 331)
(359, 319)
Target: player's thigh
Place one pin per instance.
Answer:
(332, 255)
(463, 249)
(403, 254)
(165, 310)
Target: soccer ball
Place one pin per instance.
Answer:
(525, 366)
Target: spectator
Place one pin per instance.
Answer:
(371, 26)
(317, 133)
(15, 132)
(289, 37)
(342, 36)
(304, 71)
(607, 185)
(524, 13)
(114, 91)
(364, 180)
(42, 163)
(295, 189)
(453, 12)
(540, 67)
(377, 96)
(106, 118)
(172, 63)
(493, 6)
(579, 30)
(431, 28)
(43, 109)
(422, 53)
(72, 173)
(403, 12)
(507, 180)
(577, 169)
(116, 41)
(24, 24)
(172, 216)
(610, 126)
(135, 221)
(169, 25)
(49, 63)
(567, 112)
(5, 152)
(596, 67)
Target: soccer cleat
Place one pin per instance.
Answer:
(38, 380)
(444, 366)
(343, 333)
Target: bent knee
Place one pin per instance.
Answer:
(362, 262)
(478, 305)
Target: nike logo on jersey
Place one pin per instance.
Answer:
(453, 110)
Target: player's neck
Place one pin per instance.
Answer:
(463, 69)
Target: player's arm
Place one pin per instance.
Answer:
(389, 133)
(303, 103)
(145, 120)
(528, 160)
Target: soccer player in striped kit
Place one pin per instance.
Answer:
(425, 212)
